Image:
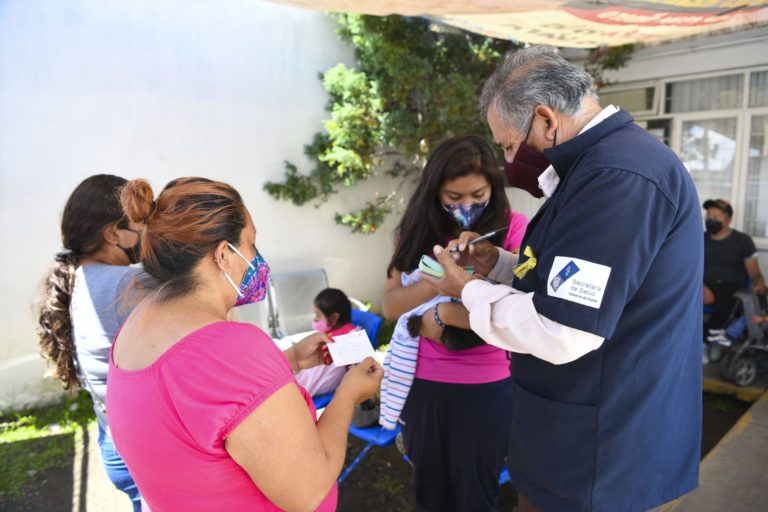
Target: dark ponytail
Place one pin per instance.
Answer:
(91, 207)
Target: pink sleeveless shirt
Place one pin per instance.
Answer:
(169, 420)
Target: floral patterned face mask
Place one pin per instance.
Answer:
(253, 287)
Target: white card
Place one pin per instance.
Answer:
(350, 348)
(578, 281)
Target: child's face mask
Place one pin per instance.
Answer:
(320, 325)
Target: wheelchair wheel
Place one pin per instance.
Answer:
(744, 371)
(725, 367)
(716, 353)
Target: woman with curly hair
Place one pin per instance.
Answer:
(86, 298)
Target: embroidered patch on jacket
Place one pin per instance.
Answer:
(578, 281)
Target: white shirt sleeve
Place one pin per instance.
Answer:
(503, 271)
(506, 318)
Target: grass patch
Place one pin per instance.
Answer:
(390, 485)
(34, 440)
(724, 403)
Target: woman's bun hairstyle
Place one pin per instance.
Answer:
(138, 201)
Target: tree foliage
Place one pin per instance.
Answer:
(607, 57)
(415, 85)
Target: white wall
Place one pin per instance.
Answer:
(161, 89)
(734, 50)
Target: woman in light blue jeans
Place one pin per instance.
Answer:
(86, 298)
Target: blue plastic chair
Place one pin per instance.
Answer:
(323, 400)
(373, 436)
(368, 321)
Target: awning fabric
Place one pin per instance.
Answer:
(574, 23)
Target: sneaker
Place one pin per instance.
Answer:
(719, 337)
(704, 354)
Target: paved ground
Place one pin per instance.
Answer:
(734, 477)
(92, 489)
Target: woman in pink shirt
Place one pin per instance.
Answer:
(458, 411)
(207, 413)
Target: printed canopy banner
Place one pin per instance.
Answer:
(575, 23)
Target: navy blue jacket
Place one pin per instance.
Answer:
(620, 255)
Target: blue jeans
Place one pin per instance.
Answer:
(116, 469)
(737, 328)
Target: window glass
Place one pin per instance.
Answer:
(631, 100)
(756, 204)
(758, 89)
(660, 128)
(715, 93)
(708, 150)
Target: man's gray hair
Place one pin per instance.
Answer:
(537, 75)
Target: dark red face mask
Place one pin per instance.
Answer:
(525, 169)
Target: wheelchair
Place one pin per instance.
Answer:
(747, 355)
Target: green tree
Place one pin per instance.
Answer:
(415, 85)
(607, 57)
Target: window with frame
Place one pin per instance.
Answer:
(631, 100)
(756, 200)
(715, 93)
(708, 149)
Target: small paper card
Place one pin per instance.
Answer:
(350, 348)
(433, 268)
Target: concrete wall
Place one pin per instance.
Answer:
(161, 89)
(734, 50)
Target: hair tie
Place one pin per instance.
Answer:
(67, 256)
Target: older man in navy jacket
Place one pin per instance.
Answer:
(603, 309)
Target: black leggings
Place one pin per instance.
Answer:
(457, 437)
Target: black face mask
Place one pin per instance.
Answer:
(133, 253)
(714, 226)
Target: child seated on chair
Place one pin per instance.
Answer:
(333, 316)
